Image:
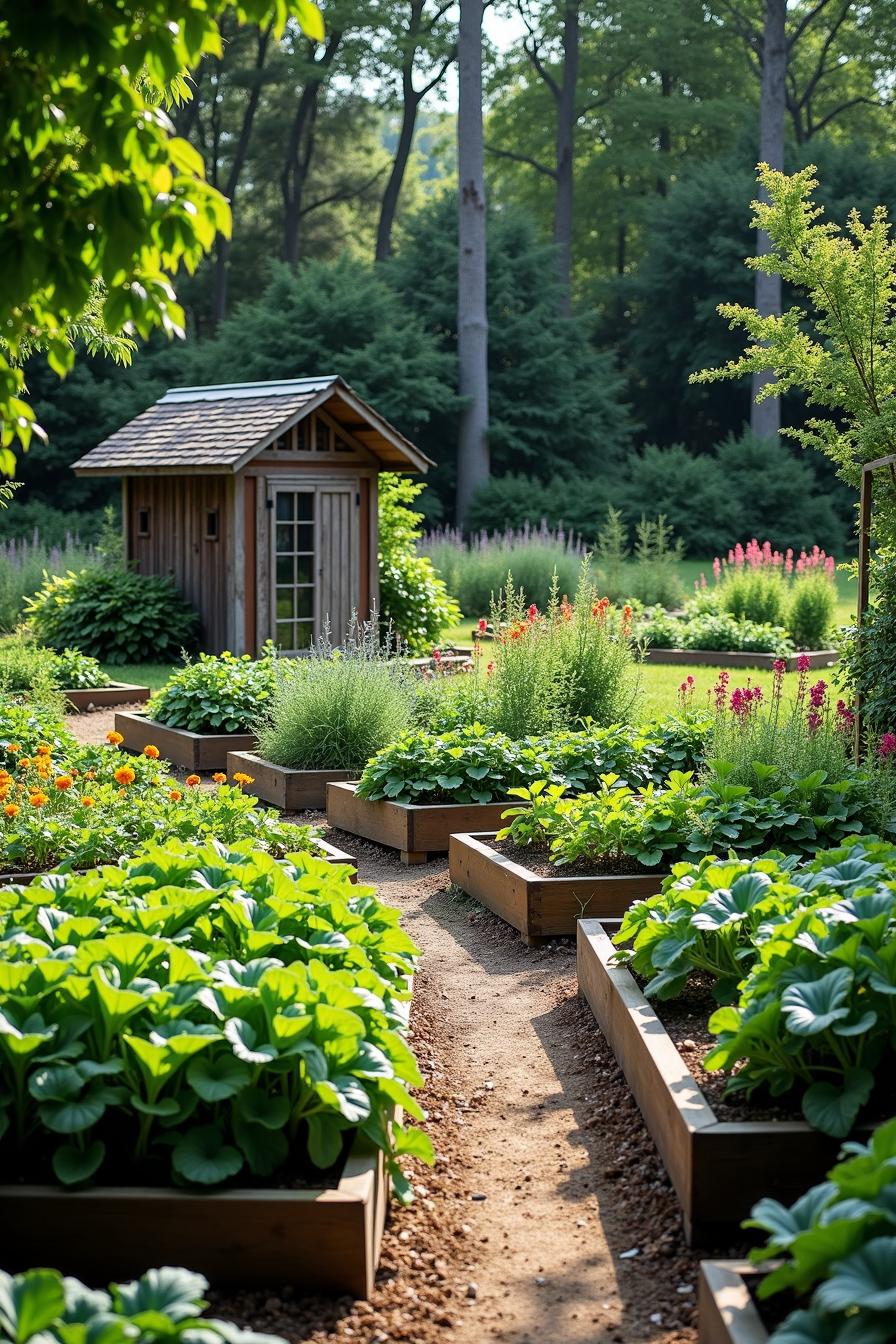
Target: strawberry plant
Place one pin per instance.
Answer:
(835, 1250)
(200, 1013)
(163, 1305)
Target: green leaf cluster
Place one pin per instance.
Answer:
(164, 1305)
(26, 724)
(717, 631)
(217, 694)
(414, 600)
(474, 764)
(837, 1242)
(116, 615)
(198, 1013)
(868, 654)
(26, 666)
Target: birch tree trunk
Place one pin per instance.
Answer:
(765, 419)
(472, 321)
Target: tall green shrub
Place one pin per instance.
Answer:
(413, 599)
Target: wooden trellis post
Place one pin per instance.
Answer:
(865, 503)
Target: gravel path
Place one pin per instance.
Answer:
(547, 1216)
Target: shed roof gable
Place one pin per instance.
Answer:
(218, 429)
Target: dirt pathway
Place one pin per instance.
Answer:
(547, 1217)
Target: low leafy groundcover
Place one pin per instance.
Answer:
(716, 632)
(802, 956)
(476, 765)
(216, 694)
(201, 1015)
(25, 666)
(165, 1304)
(836, 1248)
(687, 818)
(24, 726)
(92, 804)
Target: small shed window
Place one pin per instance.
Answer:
(211, 525)
(143, 522)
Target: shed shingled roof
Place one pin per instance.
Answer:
(217, 429)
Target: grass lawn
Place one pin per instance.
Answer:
(153, 675)
(659, 685)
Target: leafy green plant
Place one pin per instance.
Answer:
(199, 1012)
(868, 654)
(654, 577)
(337, 708)
(837, 1243)
(163, 1305)
(811, 610)
(711, 630)
(26, 725)
(754, 594)
(25, 666)
(115, 615)
(217, 693)
(414, 600)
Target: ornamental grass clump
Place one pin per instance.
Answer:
(338, 707)
(559, 668)
(219, 693)
(199, 1015)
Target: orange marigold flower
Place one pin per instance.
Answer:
(114, 738)
(241, 778)
(11, 810)
(219, 777)
(87, 802)
(175, 795)
(38, 799)
(91, 774)
(151, 751)
(124, 775)
(13, 748)
(43, 750)
(25, 762)
(63, 782)
(4, 791)
(192, 781)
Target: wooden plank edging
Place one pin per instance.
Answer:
(737, 658)
(416, 829)
(116, 693)
(290, 790)
(727, 1312)
(191, 751)
(719, 1169)
(540, 907)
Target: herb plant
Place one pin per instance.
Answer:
(199, 1014)
(26, 667)
(837, 1243)
(163, 1305)
(26, 725)
(217, 693)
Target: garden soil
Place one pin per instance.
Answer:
(547, 1217)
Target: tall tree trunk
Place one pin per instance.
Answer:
(472, 320)
(564, 163)
(410, 104)
(300, 149)
(765, 419)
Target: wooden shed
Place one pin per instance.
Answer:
(260, 501)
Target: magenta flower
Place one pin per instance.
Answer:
(779, 667)
(846, 719)
(887, 746)
(717, 568)
(817, 694)
(802, 663)
(813, 720)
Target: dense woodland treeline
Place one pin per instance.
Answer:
(621, 141)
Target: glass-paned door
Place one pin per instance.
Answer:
(295, 569)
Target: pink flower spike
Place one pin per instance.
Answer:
(887, 745)
(802, 663)
(533, 612)
(483, 625)
(717, 569)
(779, 667)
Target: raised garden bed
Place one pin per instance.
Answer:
(540, 907)
(324, 1240)
(332, 853)
(116, 693)
(727, 1311)
(415, 829)
(722, 658)
(192, 751)
(290, 790)
(719, 1169)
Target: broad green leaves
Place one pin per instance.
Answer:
(194, 1053)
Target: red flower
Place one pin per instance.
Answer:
(483, 625)
(887, 745)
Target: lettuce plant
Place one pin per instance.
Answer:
(835, 1250)
(163, 1305)
(199, 1014)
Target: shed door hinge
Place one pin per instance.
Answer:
(269, 503)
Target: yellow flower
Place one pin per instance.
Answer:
(86, 802)
(241, 778)
(11, 809)
(124, 775)
(219, 777)
(38, 799)
(63, 782)
(25, 762)
(192, 781)
(114, 738)
(151, 751)
(43, 750)
(175, 795)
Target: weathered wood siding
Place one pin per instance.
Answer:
(177, 544)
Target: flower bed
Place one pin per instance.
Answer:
(88, 805)
(180, 746)
(220, 1020)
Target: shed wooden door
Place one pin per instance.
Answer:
(314, 563)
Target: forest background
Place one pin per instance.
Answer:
(621, 144)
